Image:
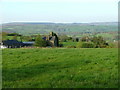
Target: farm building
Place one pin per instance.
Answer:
(2, 46)
(15, 44)
(12, 43)
(52, 40)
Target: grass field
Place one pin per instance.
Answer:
(60, 68)
(69, 43)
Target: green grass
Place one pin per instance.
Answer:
(60, 68)
(69, 43)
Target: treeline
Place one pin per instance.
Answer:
(93, 42)
(83, 42)
(16, 36)
(88, 42)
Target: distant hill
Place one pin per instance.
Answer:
(105, 23)
(93, 23)
(28, 28)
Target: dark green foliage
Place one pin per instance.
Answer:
(13, 34)
(39, 42)
(69, 38)
(93, 42)
(77, 39)
(99, 42)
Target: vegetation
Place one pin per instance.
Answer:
(65, 41)
(85, 45)
(65, 31)
(93, 42)
(39, 42)
(60, 68)
(68, 29)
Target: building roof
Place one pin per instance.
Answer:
(11, 42)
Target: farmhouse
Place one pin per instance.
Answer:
(12, 43)
(52, 40)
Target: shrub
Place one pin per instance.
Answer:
(113, 45)
(60, 45)
(79, 45)
(39, 42)
(85, 45)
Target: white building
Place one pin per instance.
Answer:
(2, 46)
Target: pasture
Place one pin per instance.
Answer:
(60, 68)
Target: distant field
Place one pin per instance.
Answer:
(68, 29)
(60, 68)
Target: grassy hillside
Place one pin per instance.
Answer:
(60, 68)
(69, 29)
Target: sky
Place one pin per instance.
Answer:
(59, 11)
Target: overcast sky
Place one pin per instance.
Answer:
(65, 11)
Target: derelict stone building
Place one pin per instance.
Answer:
(52, 40)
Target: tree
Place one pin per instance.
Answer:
(85, 39)
(39, 42)
(99, 42)
(70, 38)
(77, 39)
(63, 38)
(21, 38)
(13, 34)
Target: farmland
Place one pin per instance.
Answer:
(109, 31)
(60, 28)
(60, 68)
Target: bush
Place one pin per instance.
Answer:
(60, 45)
(39, 42)
(93, 42)
(79, 45)
(85, 45)
(113, 45)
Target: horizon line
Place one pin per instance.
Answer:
(57, 22)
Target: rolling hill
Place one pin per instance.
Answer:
(28, 28)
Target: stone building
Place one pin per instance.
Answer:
(52, 40)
